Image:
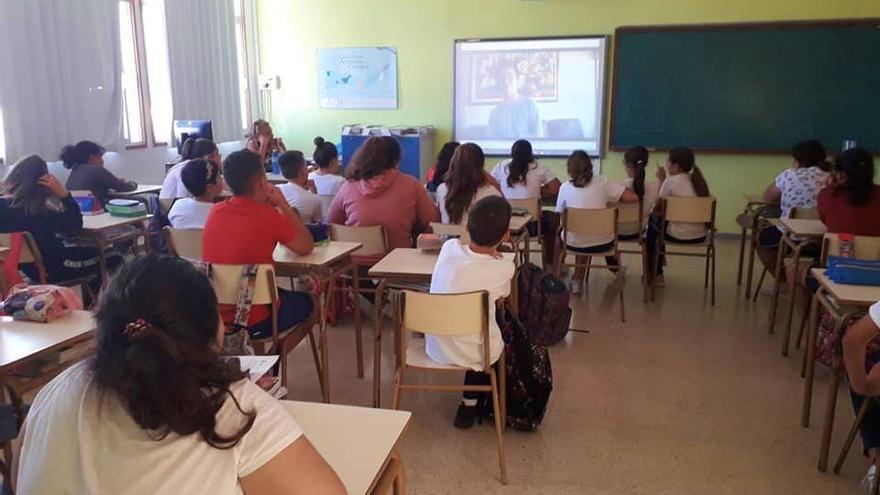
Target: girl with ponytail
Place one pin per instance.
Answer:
(326, 177)
(635, 164)
(157, 409)
(680, 179)
(522, 177)
(87, 173)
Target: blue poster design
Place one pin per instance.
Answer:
(357, 77)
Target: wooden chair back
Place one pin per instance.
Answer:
(866, 247)
(446, 315)
(30, 252)
(628, 213)
(533, 205)
(592, 222)
(690, 210)
(450, 230)
(186, 243)
(226, 280)
(373, 238)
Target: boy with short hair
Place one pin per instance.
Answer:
(473, 267)
(246, 228)
(293, 168)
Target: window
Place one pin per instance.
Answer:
(146, 78)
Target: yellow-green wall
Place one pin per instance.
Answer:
(423, 31)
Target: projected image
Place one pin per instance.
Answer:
(547, 91)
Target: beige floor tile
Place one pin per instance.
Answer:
(683, 398)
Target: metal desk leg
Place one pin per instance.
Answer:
(792, 294)
(774, 302)
(358, 326)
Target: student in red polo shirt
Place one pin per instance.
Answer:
(246, 228)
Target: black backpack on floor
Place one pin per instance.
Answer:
(529, 375)
(543, 304)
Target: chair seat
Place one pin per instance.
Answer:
(417, 357)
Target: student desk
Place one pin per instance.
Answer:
(23, 341)
(275, 178)
(751, 215)
(519, 234)
(139, 193)
(359, 443)
(805, 232)
(406, 266)
(325, 264)
(104, 230)
(845, 303)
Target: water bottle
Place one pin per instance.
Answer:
(276, 167)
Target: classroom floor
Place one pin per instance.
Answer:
(681, 399)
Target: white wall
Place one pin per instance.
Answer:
(144, 166)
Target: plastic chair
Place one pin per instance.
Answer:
(449, 315)
(226, 280)
(700, 210)
(186, 243)
(375, 246)
(598, 223)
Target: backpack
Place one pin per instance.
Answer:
(529, 375)
(155, 226)
(543, 304)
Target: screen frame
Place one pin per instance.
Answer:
(603, 107)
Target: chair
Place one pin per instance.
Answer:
(633, 214)
(448, 315)
(375, 246)
(598, 223)
(700, 210)
(865, 248)
(796, 213)
(30, 253)
(450, 230)
(186, 243)
(533, 205)
(226, 280)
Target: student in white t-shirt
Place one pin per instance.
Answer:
(157, 410)
(307, 204)
(204, 183)
(635, 163)
(173, 186)
(680, 179)
(472, 267)
(465, 184)
(586, 191)
(521, 177)
(326, 178)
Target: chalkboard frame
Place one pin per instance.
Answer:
(727, 26)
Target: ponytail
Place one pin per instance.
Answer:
(325, 152)
(521, 156)
(75, 155)
(699, 182)
(637, 158)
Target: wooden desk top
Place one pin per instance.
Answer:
(855, 295)
(517, 224)
(321, 256)
(756, 199)
(21, 341)
(141, 189)
(355, 441)
(4, 250)
(408, 263)
(804, 228)
(275, 178)
(105, 221)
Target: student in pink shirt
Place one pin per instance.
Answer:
(377, 193)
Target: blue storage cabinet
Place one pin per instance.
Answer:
(416, 148)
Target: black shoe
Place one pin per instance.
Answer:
(485, 408)
(464, 417)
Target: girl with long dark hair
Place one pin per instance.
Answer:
(465, 184)
(522, 177)
(326, 178)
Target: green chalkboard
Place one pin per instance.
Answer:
(747, 87)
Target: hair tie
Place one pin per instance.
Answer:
(137, 329)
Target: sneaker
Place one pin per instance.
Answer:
(870, 479)
(659, 281)
(465, 416)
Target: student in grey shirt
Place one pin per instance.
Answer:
(86, 163)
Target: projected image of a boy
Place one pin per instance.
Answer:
(517, 116)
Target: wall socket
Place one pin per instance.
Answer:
(270, 82)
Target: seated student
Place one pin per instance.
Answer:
(307, 204)
(864, 382)
(680, 179)
(851, 202)
(472, 267)
(465, 184)
(326, 178)
(262, 141)
(635, 161)
(87, 172)
(173, 186)
(246, 228)
(204, 183)
(592, 192)
(377, 193)
(32, 200)
(521, 177)
(157, 410)
(437, 173)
